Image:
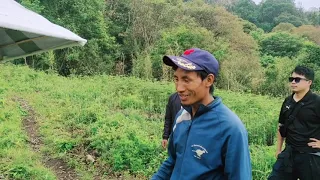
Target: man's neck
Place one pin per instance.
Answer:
(299, 95)
(195, 109)
(196, 106)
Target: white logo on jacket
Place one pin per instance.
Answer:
(199, 151)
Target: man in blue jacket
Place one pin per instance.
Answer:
(208, 140)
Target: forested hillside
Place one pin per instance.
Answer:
(257, 45)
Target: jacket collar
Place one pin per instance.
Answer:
(202, 108)
(305, 98)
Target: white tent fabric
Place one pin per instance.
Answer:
(24, 33)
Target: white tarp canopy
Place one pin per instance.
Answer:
(24, 32)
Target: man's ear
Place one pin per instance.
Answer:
(210, 80)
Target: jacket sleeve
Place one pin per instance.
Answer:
(281, 116)
(168, 120)
(317, 99)
(237, 156)
(165, 170)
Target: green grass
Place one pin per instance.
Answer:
(17, 160)
(119, 117)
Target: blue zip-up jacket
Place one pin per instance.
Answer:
(212, 145)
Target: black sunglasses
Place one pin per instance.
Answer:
(297, 79)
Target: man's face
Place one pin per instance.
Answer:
(299, 83)
(190, 87)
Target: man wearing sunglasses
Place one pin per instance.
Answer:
(299, 127)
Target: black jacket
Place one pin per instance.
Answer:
(306, 123)
(172, 108)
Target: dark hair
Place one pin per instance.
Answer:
(202, 75)
(304, 71)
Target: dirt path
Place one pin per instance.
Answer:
(58, 166)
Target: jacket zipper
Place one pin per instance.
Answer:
(184, 152)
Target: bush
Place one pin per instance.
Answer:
(276, 82)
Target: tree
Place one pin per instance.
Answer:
(146, 19)
(272, 9)
(226, 3)
(246, 9)
(224, 25)
(288, 18)
(241, 52)
(176, 40)
(310, 54)
(313, 16)
(33, 5)
(85, 18)
(281, 44)
(284, 27)
(118, 13)
(310, 32)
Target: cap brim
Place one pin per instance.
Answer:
(181, 62)
(167, 60)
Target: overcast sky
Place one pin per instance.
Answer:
(306, 4)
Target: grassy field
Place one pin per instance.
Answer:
(116, 120)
